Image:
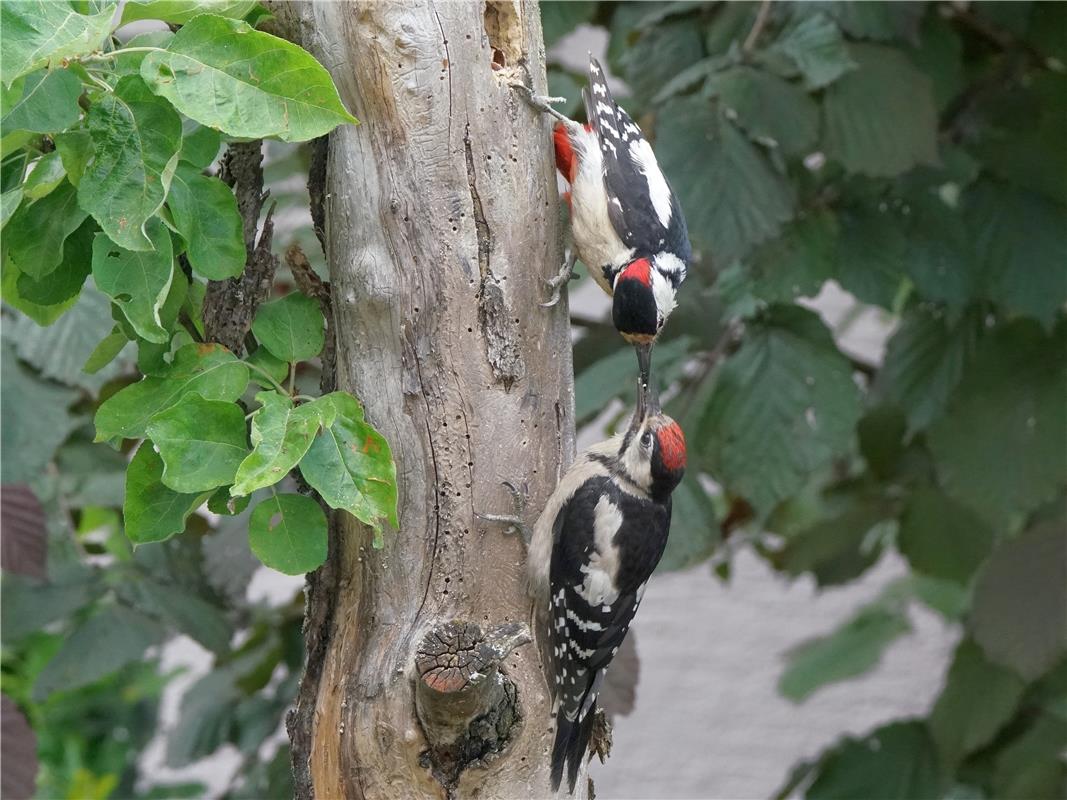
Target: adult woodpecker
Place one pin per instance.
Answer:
(593, 548)
(626, 223)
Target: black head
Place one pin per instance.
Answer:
(634, 311)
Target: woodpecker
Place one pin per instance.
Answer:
(593, 549)
(626, 222)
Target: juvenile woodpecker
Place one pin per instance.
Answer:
(627, 225)
(593, 548)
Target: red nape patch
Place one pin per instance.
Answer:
(672, 446)
(639, 270)
(566, 162)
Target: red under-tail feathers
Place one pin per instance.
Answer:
(566, 162)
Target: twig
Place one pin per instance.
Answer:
(757, 27)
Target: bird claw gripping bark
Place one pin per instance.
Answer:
(557, 282)
(514, 521)
(541, 102)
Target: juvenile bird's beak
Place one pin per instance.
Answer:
(647, 405)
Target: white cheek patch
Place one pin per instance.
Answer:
(658, 191)
(663, 291)
(636, 461)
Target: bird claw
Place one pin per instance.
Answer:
(514, 521)
(541, 102)
(559, 280)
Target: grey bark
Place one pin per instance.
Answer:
(441, 224)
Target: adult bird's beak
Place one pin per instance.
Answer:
(644, 364)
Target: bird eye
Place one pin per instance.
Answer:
(646, 439)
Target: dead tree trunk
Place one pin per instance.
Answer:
(441, 223)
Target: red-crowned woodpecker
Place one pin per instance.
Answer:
(626, 223)
(593, 548)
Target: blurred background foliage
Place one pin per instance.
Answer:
(910, 155)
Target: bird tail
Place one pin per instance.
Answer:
(572, 742)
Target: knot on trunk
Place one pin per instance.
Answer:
(467, 706)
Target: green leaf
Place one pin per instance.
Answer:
(28, 605)
(1019, 613)
(37, 32)
(9, 203)
(851, 650)
(291, 327)
(735, 199)
(642, 63)
(281, 435)
(1021, 239)
(999, 446)
(106, 351)
(287, 532)
(881, 119)
(137, 281)
(960, 725)
(136, 139)
(201, 442)
(209, 370)
(75, 148)
(41, 314)
(221, 503)
(896, 762)
(205, 214)
(178, 12)
(784, 406)
(695, 529)
(1032, 765)
(33, 427)
(200, 145)
(66, 281)
(940, 56)
(923, 364)
(833, 547)
(882, 21)
(797, 263)
(351, 467)
(275, 367)
(818, 50)
(226, 75)
(49, 103)
(560, 18)
(36, 234)
(193, 616)
(152, 512)
(769, 109)
(106, 642)
(939, 537)
(47, 173)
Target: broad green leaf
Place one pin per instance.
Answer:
(41, 314)
(695, 529)
(28, 605)
(879, 20)
(221, 503)
(206, 717)
(1019, 613)
(558, 19)
(784, 406)
(106, 642)
(941, 538)
(281, 435)
(642, 63)
(999, 446)
(106, 351)
(881, 436)
(1021, 239)
(959, 724)
(831, 546)
(205, 214)
(851, 650)
(66, 281)
(797, 263)
(291, 328)
(46, 174)
(287, 532)
(923, 363)
(49, 102)
(36, 234)
(940, 55)
(193, 616)
(616, 376)
(768, 108)
(201, 442)
(137, 281)
(734, 200)
(226, 75)
(817, 48)
(75, 148)
(896, 762)
(33, 427)
(880, 120)
(274, 367)
(136, 139)
(200, 145)
(152, 512)
(9, 203)
(1032, 766)
(37, 32)
(351, 467)
(209, 370)
(178, 12)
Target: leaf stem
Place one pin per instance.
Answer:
(123, 51)
(292, 377)
(757, 28)
(266, 375)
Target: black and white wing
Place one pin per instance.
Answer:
(643, 209)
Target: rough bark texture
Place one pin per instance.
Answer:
(441, 224)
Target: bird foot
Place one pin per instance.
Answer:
(541, 102)
(514, 521)
(559, 280)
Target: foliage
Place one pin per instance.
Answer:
(116, 218)
(911, 153)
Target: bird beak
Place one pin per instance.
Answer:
(647, 405)
(644, 363)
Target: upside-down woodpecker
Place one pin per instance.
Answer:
(627, 224)
(593, 548)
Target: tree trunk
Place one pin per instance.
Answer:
(441, 223)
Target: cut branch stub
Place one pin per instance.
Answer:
(466, 705)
